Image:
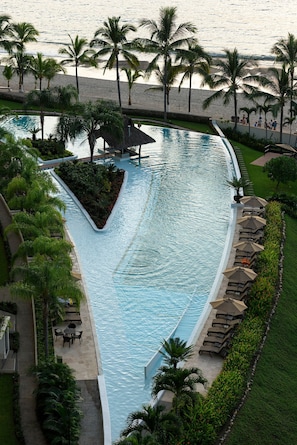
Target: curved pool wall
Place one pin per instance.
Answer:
(162, 254)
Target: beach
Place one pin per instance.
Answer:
(144, 96)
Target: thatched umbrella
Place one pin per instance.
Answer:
(229, 306)
(252, 222)
(240, 274)
(253, 201)
(248, 247)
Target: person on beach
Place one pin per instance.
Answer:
(274, 124)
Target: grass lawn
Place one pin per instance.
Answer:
(270, 412)
(7, 435)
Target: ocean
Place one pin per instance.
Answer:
(252, 26)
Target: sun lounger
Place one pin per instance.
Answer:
(222, 330)
(212, 349)
(215, 340)
(237, 288)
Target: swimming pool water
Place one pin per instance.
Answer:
(152, 270)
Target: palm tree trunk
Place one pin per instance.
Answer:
(45, 327)
(118, 82)
(76, 78)
(165, 88)
(190, 93)
(235, 110)
(281, 124)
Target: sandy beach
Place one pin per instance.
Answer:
(143, 96)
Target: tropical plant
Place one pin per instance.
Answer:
(278, 92)
(46, 278)
(19, 35)
(92, 118)
(249, 111)
(181, 382)
(132, 75)
(8, 73)
(172, 72)
(166, 37)
(77, 53)
(233, 76)
(111, 39)
(238, 183)
(153, 421)
(4, 29)
(285, 51)
(52, 69)
(194, 60)
(266, 108)
(175, 351)
(43, 99)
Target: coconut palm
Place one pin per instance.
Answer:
(4, 29)
(278, 91)
(175, 351)
(286, 52)
(238, 183)
(19, 35)
(65, 97)
(77, 53)
(46, 278)
(172, 72)
(249, 111)
(91, 118)
(20, 63)
(52, 69)
(194, 60)
(111, 39)
(166, 37)
(233, 76)
(132, 75)
(8, 73)
(43, 99)
(265, 108)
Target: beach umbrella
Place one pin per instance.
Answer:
(253, 201)
(248, 247)
(252, 222)
(229, 306)
(239, 274)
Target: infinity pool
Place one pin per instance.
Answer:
(150, 273)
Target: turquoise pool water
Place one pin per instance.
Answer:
(150, 273)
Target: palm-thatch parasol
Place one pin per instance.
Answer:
(253, 201)
(240, 274)
(229, 306)
(252, 222)
(248, 247)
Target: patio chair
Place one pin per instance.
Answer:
(78, 336)
(67, 339)
(58, 333)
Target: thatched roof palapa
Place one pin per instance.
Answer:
(133, 137)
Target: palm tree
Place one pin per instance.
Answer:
(278, 83)
(132, 75)
(238, 183)
(19, 35)
(52, 69)
(153, 421)
(286, 52)
(232, 77)
(20, 63)
(38, 68)
(65, 97)
(249, 111)
(77, 53)
(8, 73)
(92, 118)
(112, 41)
(172, 72)
(175, 351)
(4, 29)
(180, 381)
(46, 278)
(166, 37)
(265, 108)
(43, 99)
(194, 61)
